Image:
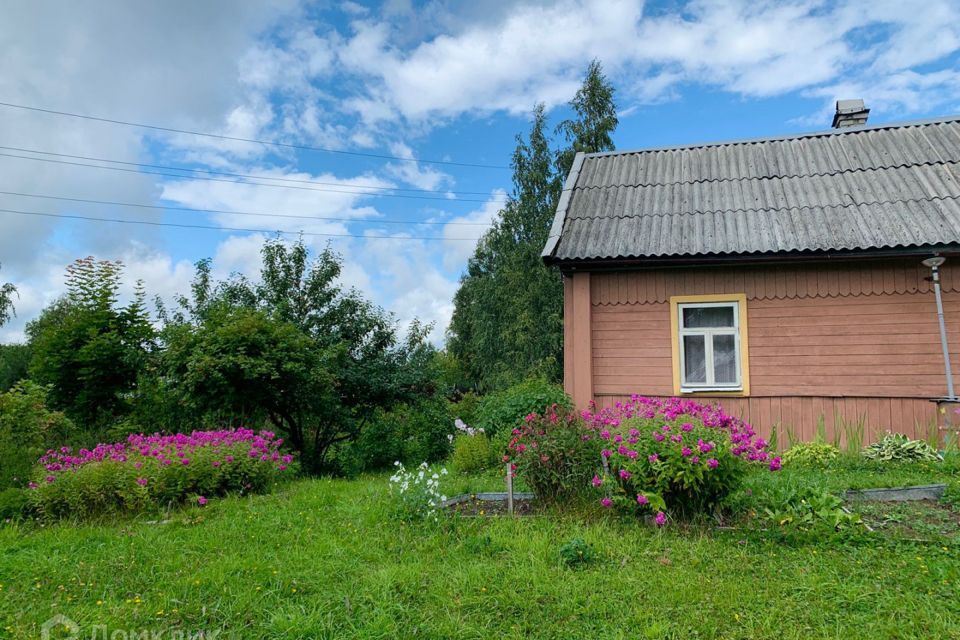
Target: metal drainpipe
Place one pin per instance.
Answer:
(943, 331)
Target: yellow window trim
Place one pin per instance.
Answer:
(741, 300)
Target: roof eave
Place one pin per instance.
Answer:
(562, 205)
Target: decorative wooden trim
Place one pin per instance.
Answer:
(741, 300)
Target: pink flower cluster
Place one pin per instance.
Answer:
(166, 450)
(743, 438)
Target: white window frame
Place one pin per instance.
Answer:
(709, 332)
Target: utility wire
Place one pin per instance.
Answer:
(242, 175)
(239, 213)
(210, 228)
(257, 184)
(274, 143)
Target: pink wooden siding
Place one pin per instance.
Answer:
(848, 339)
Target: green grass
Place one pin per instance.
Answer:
(323, 559)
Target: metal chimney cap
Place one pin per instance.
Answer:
(850, 113)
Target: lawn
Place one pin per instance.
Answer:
(324, 559)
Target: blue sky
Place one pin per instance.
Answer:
(435, 80)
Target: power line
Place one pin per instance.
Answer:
(243, 175)
(257, 184)
(241, 229)
(139, 205)
(274, 143)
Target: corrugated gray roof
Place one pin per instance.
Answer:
(887, 186)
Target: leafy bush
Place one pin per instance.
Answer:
(577, 553)
(472, 453)
(673, 454)
(805, 508)
(150, 471)
(811, 454)
(504, 410)
(410, 433)
(896, 447)
(555, 453)
(27, 427)
(13, 504)
(417, 493)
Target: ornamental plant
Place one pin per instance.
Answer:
(896, 447)
(417, 493)
(673, 454)
(811, 454)
(555, 453)
(150, 471)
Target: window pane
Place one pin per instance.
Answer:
(694, 359)
(724, 359)
(707, 317)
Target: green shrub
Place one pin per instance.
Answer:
(805, 508)
(472, 453)
(467, 408)
(504, 410)
(27, 429)
(555, 454)
(810, 454)
(409, 433)
(896, 447)
(577, 553)
(13, 504)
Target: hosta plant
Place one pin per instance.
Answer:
(896, 447)
(146, 472)
(810, 454)
(417, 493)
(673, 454)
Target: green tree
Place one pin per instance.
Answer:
(89, 349)
(294, 349)
(27, 429)
(7, 291)
(507, 322)
(14, 363)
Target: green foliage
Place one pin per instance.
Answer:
(409, 432)
(805, 508)
(90, 350)
(27, 428)
(7, 291)
(13, 504)
(297, 350)
(503, 410)
(507, 322)
(555, 454)
(951, 495)
(853, 432)
(812, 454)
(576, 553)
(472, 453)
(896, 447)
(14, 364)
(467, 408)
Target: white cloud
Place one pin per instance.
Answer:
(455, 249)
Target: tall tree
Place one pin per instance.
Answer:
(7, 291)
(507, 322)
(89, 349)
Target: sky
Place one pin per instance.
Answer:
(393, 119)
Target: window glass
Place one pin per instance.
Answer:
(707, 317)
(695, 359)
(724, 359)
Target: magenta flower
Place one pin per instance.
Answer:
(49, 479)
(653, 457)
(776, 464)
(228, 458)
(642, 499)
(686, 426)
(712, 463)
(185, 461)
(33, 485)
(201, 500)
(659, 437)
(606, 502)
(677, 438)
(142, 482)
(686, 451)
(695, 460)
(606, 453)
(660, 519)
(605, 434)
(596, 481)
(626, 475)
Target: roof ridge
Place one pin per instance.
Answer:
(891, 167)
(840, 205)
(791, 136)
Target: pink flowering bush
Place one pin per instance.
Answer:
(555, 453)
(150, 471)
(673, 454)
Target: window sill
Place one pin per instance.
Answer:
(711, 389)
